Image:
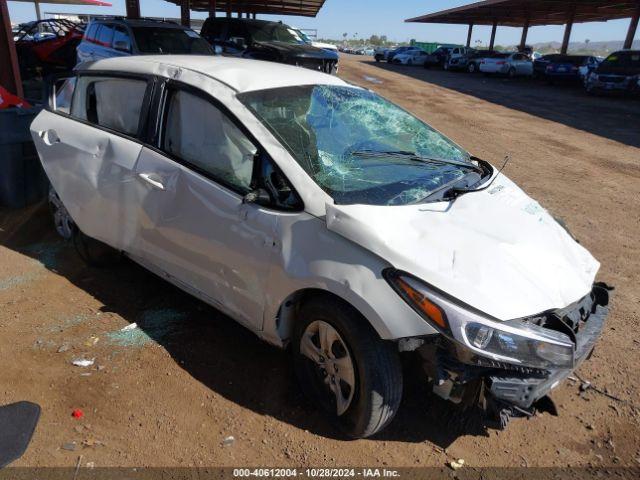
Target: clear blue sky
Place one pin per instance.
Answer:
(368, 17)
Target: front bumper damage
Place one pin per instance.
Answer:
(504, 390)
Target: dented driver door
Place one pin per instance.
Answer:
(194, 228)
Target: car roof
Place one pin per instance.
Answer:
(140, 22)
(241, 74)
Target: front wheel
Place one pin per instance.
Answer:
(61, 219)
(345, 368)
(471, 68)
(512, 72)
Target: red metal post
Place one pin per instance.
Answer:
(133, 8)
(9, 70)
(212, 8)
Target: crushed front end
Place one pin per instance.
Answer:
(505, 368)
(506, 390)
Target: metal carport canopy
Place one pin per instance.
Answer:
(515, 13)
(526, 13)
(304, 8)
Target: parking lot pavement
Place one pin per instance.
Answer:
(170, 390)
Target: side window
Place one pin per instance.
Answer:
(91, 32)
(60, 100)
(197, 132)
(121, 40)
(114, 103)
(105, 35)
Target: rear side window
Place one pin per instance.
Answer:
(91, 32)
(105, 35)
(198, 133)
(121, 39)
(115, 103)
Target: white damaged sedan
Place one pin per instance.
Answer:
(325, 218)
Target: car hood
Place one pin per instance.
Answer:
(496, 250)
(298, 50)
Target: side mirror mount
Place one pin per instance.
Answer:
(259, 196)
(122, 46)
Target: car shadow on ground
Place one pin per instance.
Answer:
(211, 347)
(613, 117)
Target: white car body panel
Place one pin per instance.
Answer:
(514, 262)
(522, 66)
(496, 250)
(413, 58)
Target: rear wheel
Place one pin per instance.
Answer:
(471, 68)
(512, 72)
(345, 368)
(61, 219)
(410, 62)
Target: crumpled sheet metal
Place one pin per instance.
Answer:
(496, 250)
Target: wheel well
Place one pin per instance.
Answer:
(288, 311)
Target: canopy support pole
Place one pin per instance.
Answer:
(212, 8)
(36, 4)
(493, 34)
(185, 14)
(133, 8)
(567, 31)
(523, 39)
(469, 34)
(633, 26)
(9, 73)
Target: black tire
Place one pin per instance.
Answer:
(410, 62)
(94, 252)
(471, 68)
(511, 73)
(378, 384)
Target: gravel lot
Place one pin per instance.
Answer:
(169, 394)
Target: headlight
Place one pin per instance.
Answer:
(517, 342)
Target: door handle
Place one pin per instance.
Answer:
(154, 182)
(49, 137)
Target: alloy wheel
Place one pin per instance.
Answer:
(62, 220)
(324, 347)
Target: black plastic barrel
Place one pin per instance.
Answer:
(22, 180)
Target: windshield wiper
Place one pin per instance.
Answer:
(455, 192)
(411, 156)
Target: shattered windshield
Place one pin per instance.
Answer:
(357, 146)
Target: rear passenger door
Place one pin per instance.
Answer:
(89, 152)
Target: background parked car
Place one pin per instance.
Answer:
(438, 58)
(619, 72)
(118, 37)
(265, 40)
(399, 50)
(412, 57)
(510, 64)
(310, 41)
(380, 54)
(540, 64)
(567, 67)
(47, 44)
(456, 56)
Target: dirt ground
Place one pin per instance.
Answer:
(170, 392)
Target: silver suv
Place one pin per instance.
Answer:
(117, 37)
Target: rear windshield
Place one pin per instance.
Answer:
(622, 61)
(576, 60)
(170, 41)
